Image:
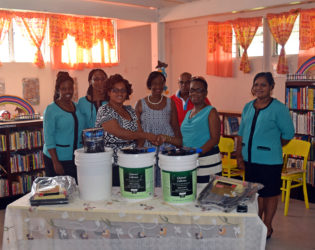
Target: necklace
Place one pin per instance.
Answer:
(155, 103)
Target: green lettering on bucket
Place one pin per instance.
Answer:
(136, 183)
(179, 187)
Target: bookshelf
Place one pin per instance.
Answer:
(300, 99)
(21, 157)
(230, 122)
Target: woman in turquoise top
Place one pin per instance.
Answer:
(265, 127)
(63, 125)
(95, 97)
(201, 129)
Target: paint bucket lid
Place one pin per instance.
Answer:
(135, 160)
(137, 150)
(173, 151)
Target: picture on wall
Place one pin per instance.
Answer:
(2, 87)
(75, 96)
(31, 90)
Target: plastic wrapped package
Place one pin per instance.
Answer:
(226, 194)
(53, 190)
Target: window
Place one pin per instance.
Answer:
(17, 48)
(71, 52)
(23, 50)
(235, 46)
(293, 43)
(256, 48)
(4, 49)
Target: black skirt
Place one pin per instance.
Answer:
(268, 175)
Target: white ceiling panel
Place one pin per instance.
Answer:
(157, 4)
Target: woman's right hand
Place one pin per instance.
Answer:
(58, 168)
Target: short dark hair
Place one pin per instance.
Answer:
(268, 76)
(185, 74)
(113, 79)
(62, 76)
(152, 76)
(201, 80)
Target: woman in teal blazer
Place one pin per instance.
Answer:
(63, 125)
(265, 127)
(95, 97)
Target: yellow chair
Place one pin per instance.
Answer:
(229, 166)
(294, 177)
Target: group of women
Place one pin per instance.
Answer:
(152, 123)
(266, 126)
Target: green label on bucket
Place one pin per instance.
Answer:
(181, 183)
(179, 187)
(136, 183)
(134, 180)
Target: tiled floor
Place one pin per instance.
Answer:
(296, 231)
(292, 232)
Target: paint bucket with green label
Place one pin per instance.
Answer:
(136, 174)
(179, 178)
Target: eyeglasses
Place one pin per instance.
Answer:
(198, 91)
(184, 82)
(99, 79)
(116, 91)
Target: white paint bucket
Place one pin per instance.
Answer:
(179, 178)
(94, 174)
(136, 175)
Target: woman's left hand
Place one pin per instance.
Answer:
(154, 139)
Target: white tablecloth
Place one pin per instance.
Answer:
(118, 224)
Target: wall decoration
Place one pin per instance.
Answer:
(306, 65)
(2, 87)
(19, 102)
(31, 90)
(75, 96)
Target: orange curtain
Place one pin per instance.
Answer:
(307, 35)
(88, 31)
(33, 26)
(245, 30)
(5, 22)
(281, 26)
(219, 58)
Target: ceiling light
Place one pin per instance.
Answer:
(297, 2)
(257, 8)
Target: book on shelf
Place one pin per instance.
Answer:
(233, 125)
(4, 187)
(300, 98)
(24, 182)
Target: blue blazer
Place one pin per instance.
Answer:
(63, 131)
(88, 110)
(261, 137)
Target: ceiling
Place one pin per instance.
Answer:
(145, 11)
(152, 4)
